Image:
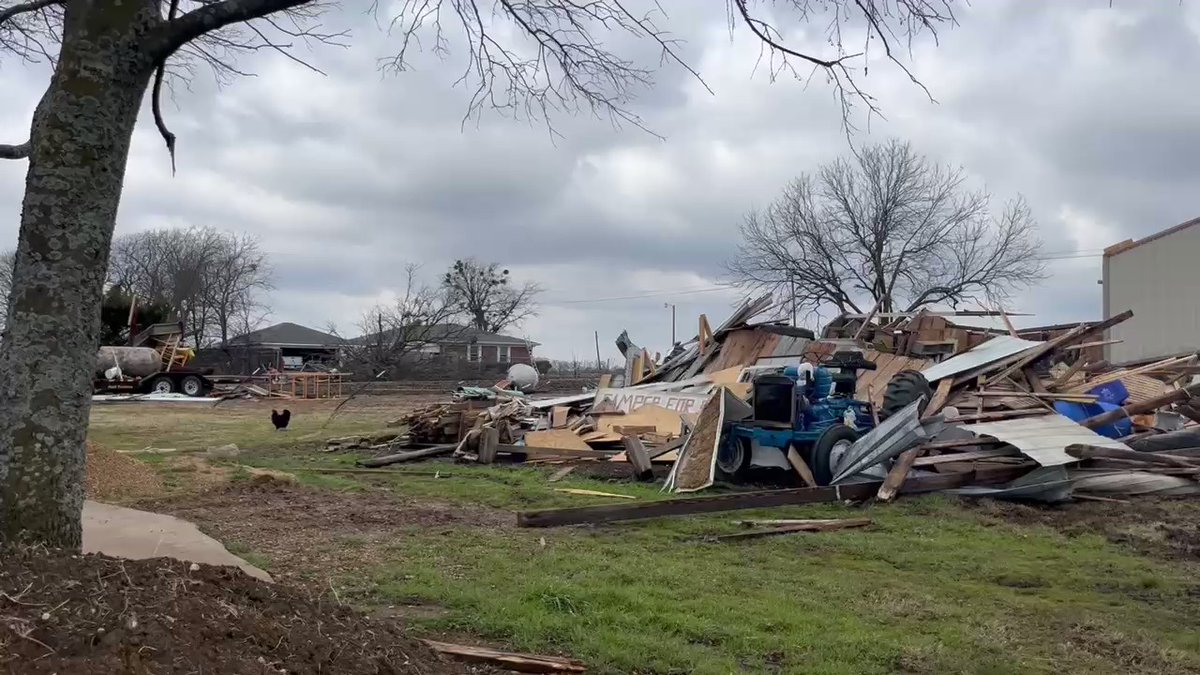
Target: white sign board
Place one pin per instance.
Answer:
(628, 400)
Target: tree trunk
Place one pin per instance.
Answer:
(79, 146)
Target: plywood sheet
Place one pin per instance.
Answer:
(560, 439)
(664, 421)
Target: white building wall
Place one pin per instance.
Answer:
(1160, 281)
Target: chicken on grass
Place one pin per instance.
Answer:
(281, 419)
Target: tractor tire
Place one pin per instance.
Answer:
(733, 461)
(905, 387)
(824, 452)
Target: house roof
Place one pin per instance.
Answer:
(449, 333)
(288, 334)
(1123, 246)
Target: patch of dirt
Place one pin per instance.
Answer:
(310, 534)
(93, 614)
(114, 477)
(1165, 528)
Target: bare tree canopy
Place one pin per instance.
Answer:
(213, 281)
(522, 56)
(483, 293)
(396, 335)
(888, 228)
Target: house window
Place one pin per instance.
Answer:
(505, 354)
(474, 353)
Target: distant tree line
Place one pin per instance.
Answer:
(215, 282)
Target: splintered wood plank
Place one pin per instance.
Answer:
(524, 663)
(801, 467)
(558, 416)
(636, 455)
(811, 526)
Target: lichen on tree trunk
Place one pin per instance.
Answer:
(79, 146)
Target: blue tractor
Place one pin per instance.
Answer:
(809, 408)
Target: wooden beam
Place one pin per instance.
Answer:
(1061, 341)
(560, 474)
(1065, 378)
(810, 526)
(522, 663)
(1118, 374)
(898, 473)
(970, 456)
(375, 462)
(489, 440)
(531, 452)
(705, 333)
(752, 500)
(1149, 405)
(867, 321)
(1084, 451)
(940, 396)
(995, 415)
(635, 452)
(1008, 324)
(801, 467)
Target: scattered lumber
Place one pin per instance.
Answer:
(789, 527)
(1084, 451)
(637, 456)
(593, 493)
(560, 474)
(801, 467)
(1177, 396)
(522, 663)
(407, 456)
(754, 500)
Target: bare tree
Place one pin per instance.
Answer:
(212, 280)
(482, 293)
(532, 56)
(406, 332)
(890, 229)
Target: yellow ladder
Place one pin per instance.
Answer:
(171, 354)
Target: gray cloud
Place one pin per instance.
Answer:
(1084, 109)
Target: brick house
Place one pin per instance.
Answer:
(450, 342)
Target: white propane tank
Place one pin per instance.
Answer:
(524, 377)
(133, 361)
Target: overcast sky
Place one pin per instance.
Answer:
(1088, 111)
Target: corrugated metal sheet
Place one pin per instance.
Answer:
(892, 437)
(1043, 439)
(1049, 484)
(999, 347)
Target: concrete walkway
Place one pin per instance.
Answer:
(129, 533)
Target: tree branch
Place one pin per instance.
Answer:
(14, 151)
(172, 35)
(25, 7)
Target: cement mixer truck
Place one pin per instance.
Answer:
(154, 363)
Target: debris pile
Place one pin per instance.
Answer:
(910, 403)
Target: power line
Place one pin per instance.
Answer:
(662, 292)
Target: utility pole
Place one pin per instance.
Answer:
(599, 368)
(672, 306)
(792, 291)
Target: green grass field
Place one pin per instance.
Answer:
(932, 586)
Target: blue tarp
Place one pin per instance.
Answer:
(1079, 412)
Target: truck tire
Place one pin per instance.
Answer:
(192, 385)
(905, 387)
(160, 384)
(828, 449)
(733, 459)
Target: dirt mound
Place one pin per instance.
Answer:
(112, 476)
(85, 614)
